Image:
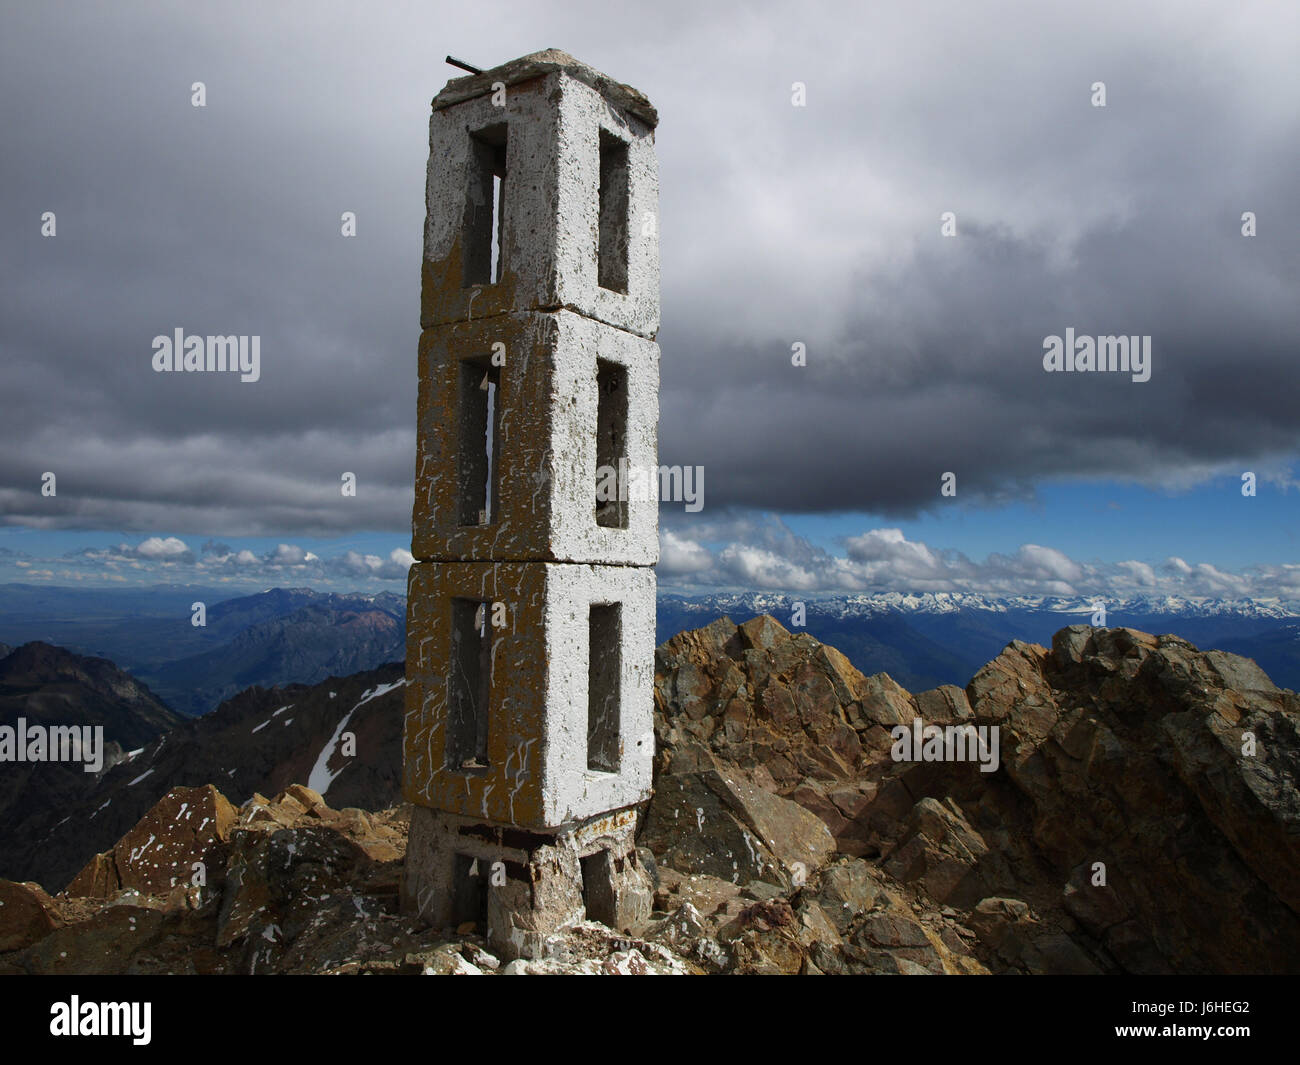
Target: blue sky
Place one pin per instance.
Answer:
(1099, 521)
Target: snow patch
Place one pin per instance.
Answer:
(321, 775)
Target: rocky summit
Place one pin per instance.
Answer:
(1143, 817)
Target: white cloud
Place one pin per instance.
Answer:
(677, 554)
(169, 548)
(1046, 563)
(765, 555)
(759, 568)
(1220, 583)
(222, 563)
(287, 555)
(355, 564)
(1143, 574)
(889, 545)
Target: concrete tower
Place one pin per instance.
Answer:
(531, 609)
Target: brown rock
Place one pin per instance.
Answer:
(27, 915)
(788, 830)
(941, 851)
(304, 795)
(186, 826)
(847, 890)
(107, 943)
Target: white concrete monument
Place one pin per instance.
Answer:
(531, 610)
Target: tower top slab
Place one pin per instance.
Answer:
(537, 65)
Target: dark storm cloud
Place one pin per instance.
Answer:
(779, 224)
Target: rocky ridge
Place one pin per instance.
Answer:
(1144, 818)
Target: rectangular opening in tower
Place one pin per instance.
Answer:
(469, 683)
(604, 673)
(469, 892)
(611, 248)
(478, 406)
(484, 229)
(611, 445)
(598, 888)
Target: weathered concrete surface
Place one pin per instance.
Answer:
(545, 444)
(536, 884)
(536, 773)
(530, 631)
(538, 64)
(552, 126)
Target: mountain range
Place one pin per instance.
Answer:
(280, 636)
(301, 636)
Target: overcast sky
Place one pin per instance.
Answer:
(779, 224)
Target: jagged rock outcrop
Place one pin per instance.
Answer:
(286, 885)
(1172, 771)
(183, 834)
(723, 825)
(1145, 815)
